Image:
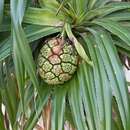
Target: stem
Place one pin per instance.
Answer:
(6, 121)
(39, 127)
(47, 116)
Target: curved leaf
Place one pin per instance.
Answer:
(85, 76)
(1, 10)
(39, 102)
(44, 17)
(58, 108)
(32, 33)
(107, 9)
(102, 86)
(119, 16)
(77, 45)
(115, 28)
(76, 105)
(115, 74)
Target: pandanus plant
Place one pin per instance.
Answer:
(61, 61)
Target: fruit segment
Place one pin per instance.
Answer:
(57, 61)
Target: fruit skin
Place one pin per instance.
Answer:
(57, 61)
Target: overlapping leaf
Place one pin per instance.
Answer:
(102, 87)
(58, 109)
(116, 29)
(39, 103)
(75, 100)
(115, 75)
(85, 76)
(107, 9)
(1, 10)
(43, 17)
(32, 33)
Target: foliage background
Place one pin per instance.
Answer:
(97, 96)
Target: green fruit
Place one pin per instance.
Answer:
(57, 61)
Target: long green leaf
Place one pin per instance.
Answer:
(36, 32)
(43, 17)
(116, 115)
(68, 115)
(49, 4)
(91, 4)
(107, 9)
(120, 76)
(28, 97)
(1, 10)
(75, 101)
(58, 108)
(5, 48)
(32, 33)
(114, 71)
(101, 87)
(119, 16)
(85, 76)
(123, 51)
(2, 120)
(115, 28)
(40, 102)
(19, 71)
(101, 3)
(9, 92)
(80, 6)
(77, 45)
(21, 41)
(5, 27)
(120, 44)
(2, 125)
